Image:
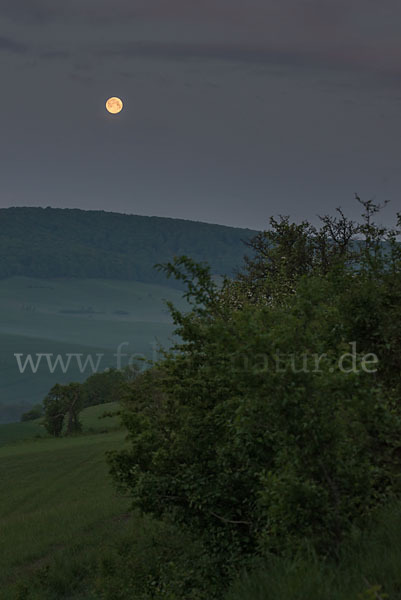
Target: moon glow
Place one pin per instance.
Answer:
(114, 105)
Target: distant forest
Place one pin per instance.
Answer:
(52, 242)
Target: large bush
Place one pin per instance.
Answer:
(275, 423)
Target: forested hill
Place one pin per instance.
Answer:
(50, 242)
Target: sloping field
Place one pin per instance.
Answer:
(55, 496)
(92, 420)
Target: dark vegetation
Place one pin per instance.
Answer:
(50, 242)
(34, 413)
(63, 403)
(264, 448)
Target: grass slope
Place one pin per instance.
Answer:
(91, 418)
(369, 568)
(15, 432)
(60, 519)
(56, 496)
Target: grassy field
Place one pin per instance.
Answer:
(61, 520)
(63, 316)
(369, 568)
(14, 432)
(56, 496)
(91, 419)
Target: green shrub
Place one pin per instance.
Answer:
(156, 560)
(253, 457)
(368, 569)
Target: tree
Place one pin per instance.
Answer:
(235, 437)
(54, 407)
(287, 251)
(73, 402)
(104, 387)
(62, 401)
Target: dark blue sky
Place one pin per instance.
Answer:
(234, 111)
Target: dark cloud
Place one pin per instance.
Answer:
(324, 14)
(273, 55)
(189, 51)
(55, 54)
(24, 11)
(86, 79)
(361, 34)
(42, 11)
(12, 46)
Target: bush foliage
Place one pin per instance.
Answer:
(274, 425)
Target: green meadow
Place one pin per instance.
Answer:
(61, 316)
(56, 496)
(62, 525)
(92, 420)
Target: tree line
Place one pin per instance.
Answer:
(50, 243)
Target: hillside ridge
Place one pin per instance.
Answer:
(54, 242)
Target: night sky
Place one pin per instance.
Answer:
(233, 110)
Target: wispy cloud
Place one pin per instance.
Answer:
(351, 57)
(184, 51)
(362, 35)
(55, 54)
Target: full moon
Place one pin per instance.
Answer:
(114, 105)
